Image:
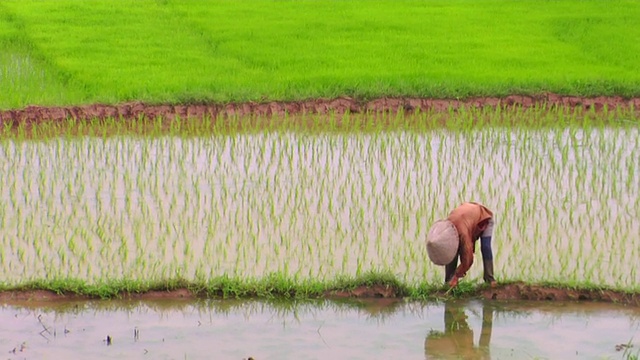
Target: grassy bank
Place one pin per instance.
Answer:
(281, 286)
(72, 52)
(273, 285)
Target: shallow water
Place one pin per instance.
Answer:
(319, 205)
(322, 329)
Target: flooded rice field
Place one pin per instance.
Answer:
(319, 205)
(318, 329)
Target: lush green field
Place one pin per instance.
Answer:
(70, 52)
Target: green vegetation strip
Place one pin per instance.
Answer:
(463, 119)
(280, 286)
(60, 52)
(273, 285)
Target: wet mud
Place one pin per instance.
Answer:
(514, 291)
(137, 110)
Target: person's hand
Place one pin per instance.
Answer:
(453, 282)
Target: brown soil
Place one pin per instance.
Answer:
(47, 296)
(520, 291)
(513, 291)
(136, 110)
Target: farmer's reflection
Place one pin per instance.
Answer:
(457, 340)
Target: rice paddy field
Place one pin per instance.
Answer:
(323, 203)
(296, 208)
(94, 203)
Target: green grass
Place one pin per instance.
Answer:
(274, 285)
(70, 52)
(278, 286)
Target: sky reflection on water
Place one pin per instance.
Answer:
(379, 329)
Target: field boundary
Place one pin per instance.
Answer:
(341, 105)
(503, 292)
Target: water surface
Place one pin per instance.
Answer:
(322, 329)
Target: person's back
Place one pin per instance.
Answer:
(470, 218)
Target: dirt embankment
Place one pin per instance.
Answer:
(136, 110)
(513, 291)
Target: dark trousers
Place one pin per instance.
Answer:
(487, 262)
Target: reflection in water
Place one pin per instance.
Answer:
(316, 329)
(457, 340)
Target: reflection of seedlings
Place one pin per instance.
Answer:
(322, 337)
(627, 354)
(20, 348)
(45, 329)
(621, 347)
(108, 340)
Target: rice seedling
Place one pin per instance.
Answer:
(323, 203)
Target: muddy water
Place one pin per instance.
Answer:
(322, 329)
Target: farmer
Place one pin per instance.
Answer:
(473, 221)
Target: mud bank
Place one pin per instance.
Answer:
(513, 291)
(136, 110)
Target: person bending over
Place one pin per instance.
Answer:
(473, 221)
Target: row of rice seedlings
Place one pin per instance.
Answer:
(319, 205)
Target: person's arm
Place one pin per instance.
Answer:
(466, 259)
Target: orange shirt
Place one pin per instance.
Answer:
(466, 219)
